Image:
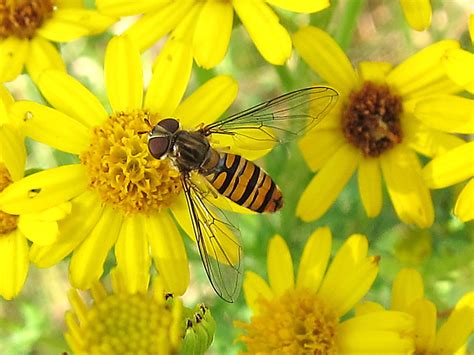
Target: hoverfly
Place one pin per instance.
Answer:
(231, 175)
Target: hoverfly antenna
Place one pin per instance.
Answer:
(142, 132)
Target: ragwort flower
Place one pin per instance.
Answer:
(304, 315)
(28, 28)
(383, 116)
(40, 227)
(408, 296)
(121, 196)
(207, 25)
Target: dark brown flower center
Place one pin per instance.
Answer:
(8, 222)
(21, 18)
(371, 119)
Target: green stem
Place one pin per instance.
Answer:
(348, 22)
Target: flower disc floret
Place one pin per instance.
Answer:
(8, 222)
(121, 169)
(297, 322)
(21, 18)
(371, 120)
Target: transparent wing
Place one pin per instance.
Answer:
(217, 240)
(277, 120)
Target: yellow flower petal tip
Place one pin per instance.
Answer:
(417, 13)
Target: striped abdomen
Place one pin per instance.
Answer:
(246, 184)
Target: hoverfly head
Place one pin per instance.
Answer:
(161, 136)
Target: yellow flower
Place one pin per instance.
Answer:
(417, 13)
(119, 322)
(408, 296)
(207, 25)
(40, 227)
(27, 28)
(453, 167)
(305, 315)
(384, 115)
(119, 193)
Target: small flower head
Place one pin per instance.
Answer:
(122, 323)
(384, 115)
(305, 315)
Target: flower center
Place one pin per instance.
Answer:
(21, 18)
(126, 324)
(121, 169)
(371, 120)
(297, 322)
(8, 222)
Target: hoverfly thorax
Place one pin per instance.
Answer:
(161, 137)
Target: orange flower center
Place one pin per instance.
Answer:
(298, 322)
(371, 119)
(121, 168)
(8, 222)
(21, 18)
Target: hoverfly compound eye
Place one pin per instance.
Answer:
(169, 124)
(158, 146)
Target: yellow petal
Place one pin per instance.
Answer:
(324, 188)
(455, 332)
(181, 212)
(424, 313)
(43, 55)
(417, 13)
(408, 191)
(126, 7)
(39, 232)
(458, 64)
(13, 151)
(425, 140)
(86, 211)
(280, 266)
(51, 127)
(423, 73)
(6, 100)
(169, 253)
(69, 96)
(123, 75)
(170, 78)
(319, 145)
(131, 253)
(447, 113)
(471, 27)
(88, 259)
(13, 55)
(326, 58)
(384, 332)
(255, 290)
(68, 24)
(464, 205)
(212, 33)
(303, 6)
(367, 307)
(349, 276)
(13, 263)
(374, 71)
(407, 288)
(314, 259)
(450, 168)
(44, 190)
(151, 27)
(271, 39)
(208, 102)
(370, 186)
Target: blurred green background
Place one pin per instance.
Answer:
(368, 30)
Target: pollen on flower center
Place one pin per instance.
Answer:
(8, 222)
(121, 168)
(126, 324)
(21, 18)
(297, 322)
(371, 120)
